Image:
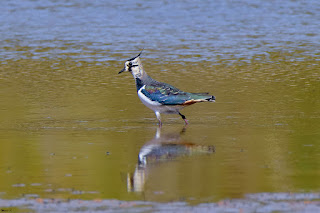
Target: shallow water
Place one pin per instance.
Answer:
(72, 128)
(75, 131)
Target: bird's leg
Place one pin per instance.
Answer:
(159, 118)
(184, 118)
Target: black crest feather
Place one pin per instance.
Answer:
(136, 56)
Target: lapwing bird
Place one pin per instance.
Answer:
(161, 97)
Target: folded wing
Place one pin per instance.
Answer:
(169, 95)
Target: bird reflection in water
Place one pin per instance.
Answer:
(162, 148)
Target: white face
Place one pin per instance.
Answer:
(133, 67)
(129, 65)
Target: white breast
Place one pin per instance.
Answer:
(156, 106)
(145, 100)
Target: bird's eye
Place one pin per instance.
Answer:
(129, 64)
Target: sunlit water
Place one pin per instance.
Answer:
(71, 127)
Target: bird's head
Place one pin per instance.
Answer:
(134, 66)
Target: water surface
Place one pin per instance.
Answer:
(72, 128)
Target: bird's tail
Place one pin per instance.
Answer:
(203, 97)
(211, 99)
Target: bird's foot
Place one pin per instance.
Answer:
(159, 118)
(186, 122)
(184, 118)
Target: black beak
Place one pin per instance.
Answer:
(122, 70)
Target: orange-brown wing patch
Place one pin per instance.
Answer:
(190, 102)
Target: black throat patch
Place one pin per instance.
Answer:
(139, 83)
